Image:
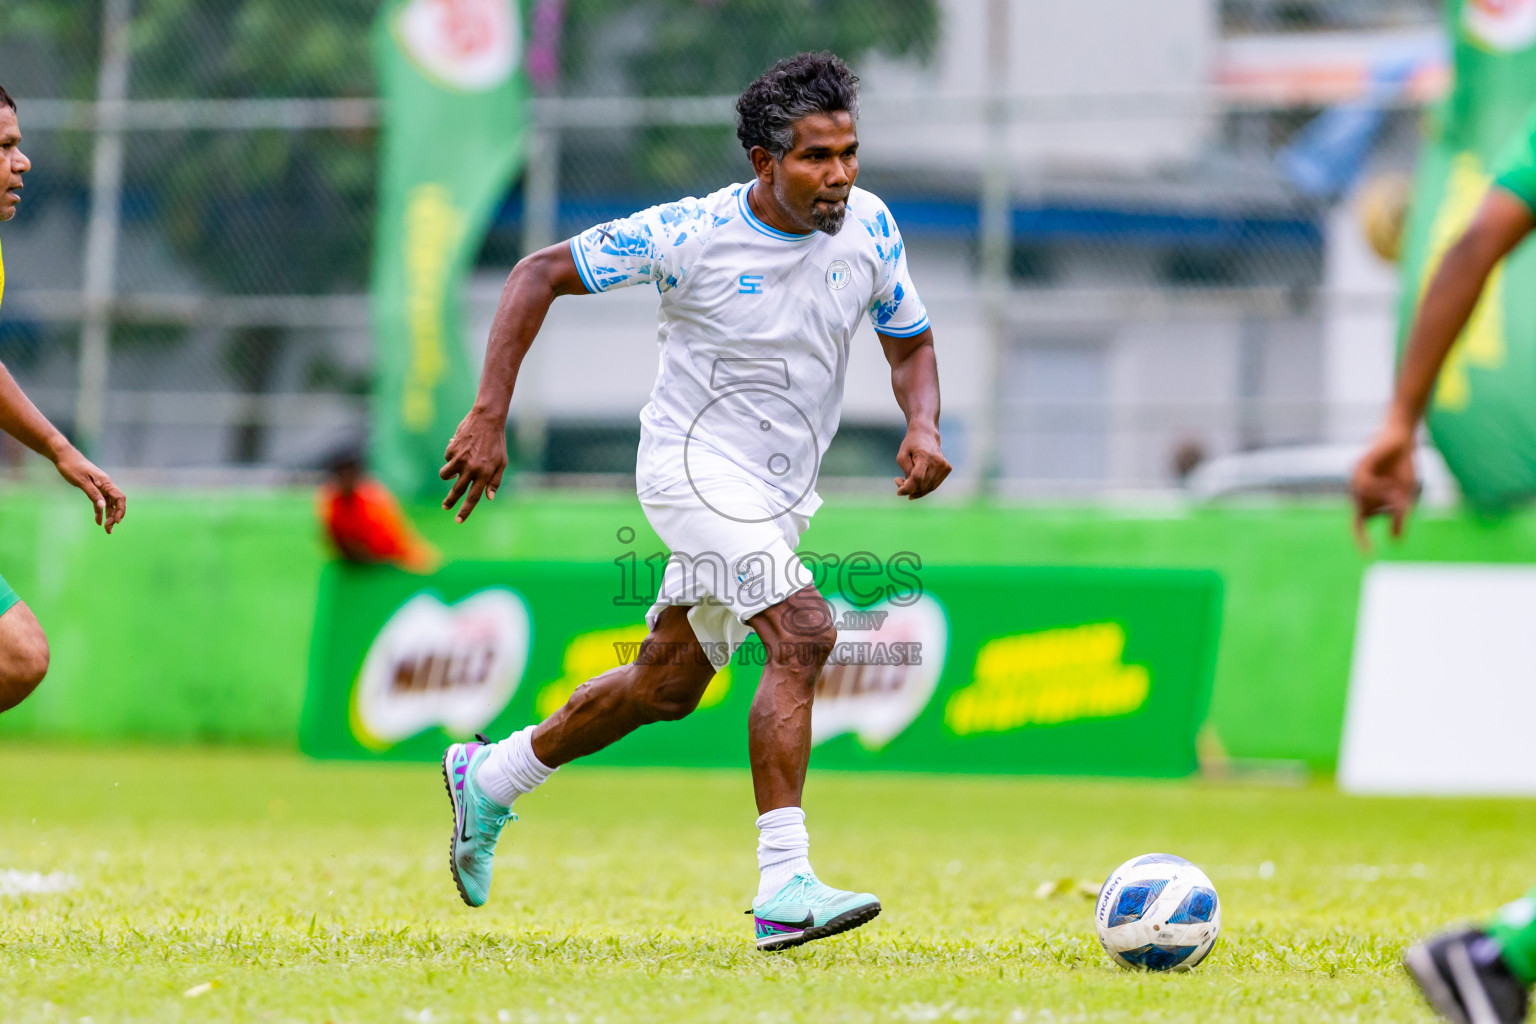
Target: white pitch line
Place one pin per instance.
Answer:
(34, 883)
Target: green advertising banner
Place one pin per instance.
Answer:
(455, 115)
(1482, 416)
(981, 669)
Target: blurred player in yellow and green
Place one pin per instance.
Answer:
(23, 645)
(1477, 975)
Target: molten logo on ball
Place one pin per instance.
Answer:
(1158, 912)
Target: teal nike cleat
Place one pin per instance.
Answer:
(807, 909)
(477, 822)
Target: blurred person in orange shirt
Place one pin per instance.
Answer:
(363, 520)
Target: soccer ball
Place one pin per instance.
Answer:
(1157, 912)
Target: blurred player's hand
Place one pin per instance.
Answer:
(477, 455)
(925, 465)
(1384, 482)
(109, 502)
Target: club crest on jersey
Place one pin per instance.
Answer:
(838, 275)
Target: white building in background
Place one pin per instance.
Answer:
(1107, 86)
(1172, 297)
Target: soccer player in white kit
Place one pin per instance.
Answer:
(762, 285)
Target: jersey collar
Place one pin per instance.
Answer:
(758, 225)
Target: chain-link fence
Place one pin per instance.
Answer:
(1126, 271)
(1313, 15)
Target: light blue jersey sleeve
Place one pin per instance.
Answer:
(654, 246)
(894, 309)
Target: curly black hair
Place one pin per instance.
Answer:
(807, 83)
(5, 99)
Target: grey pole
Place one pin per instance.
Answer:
(996, 251)
(102, 231)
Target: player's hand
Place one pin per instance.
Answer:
(109, 502)
(1384, 482)
(477, 456)
(925, 465)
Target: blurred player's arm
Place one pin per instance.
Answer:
(22, 420)
(915, 381)
(477, 455)
(1384, 482)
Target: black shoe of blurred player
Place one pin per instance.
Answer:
(1465, 979)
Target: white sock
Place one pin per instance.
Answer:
(783, 846)
(512, 769)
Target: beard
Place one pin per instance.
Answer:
(827, 220)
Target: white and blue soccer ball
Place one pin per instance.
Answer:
(1157, 912)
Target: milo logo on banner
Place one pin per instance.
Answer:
(472, 45)
(434, 664)
(1502, 25)
(882, 672)
(1049, 677)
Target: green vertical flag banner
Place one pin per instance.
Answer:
(455, 129)
(1483, 412)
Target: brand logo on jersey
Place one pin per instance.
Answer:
(838, 275)
(751, 284)
(1504, 25)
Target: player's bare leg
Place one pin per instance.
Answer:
(798, 635)
(664, 683)
(23, 655)
(792, 906)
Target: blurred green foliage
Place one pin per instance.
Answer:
(706, 47)
(266, 211)
(285, 212)
(248, 211)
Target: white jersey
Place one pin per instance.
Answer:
(754, 328)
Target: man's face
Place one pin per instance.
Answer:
(812, 182)
(13, 162)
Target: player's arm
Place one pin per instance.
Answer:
(1384, 482)
(22, 420)
(915, 381)
(477, 454)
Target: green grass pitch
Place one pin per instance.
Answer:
(320, 892)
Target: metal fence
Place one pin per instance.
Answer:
(187, 275)
(1312, 15)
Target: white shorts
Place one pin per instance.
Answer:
(731, 555)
